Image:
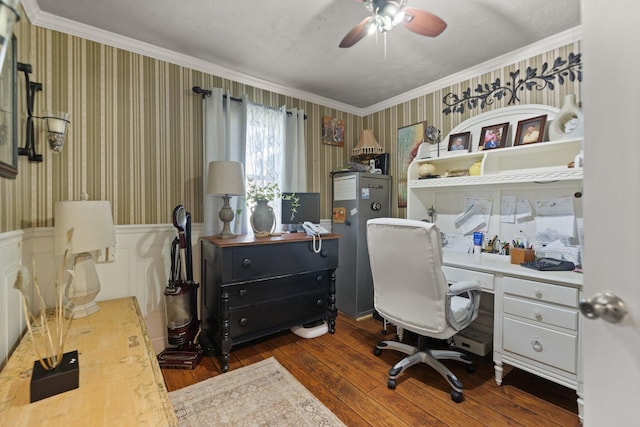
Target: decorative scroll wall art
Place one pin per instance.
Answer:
(545, 78)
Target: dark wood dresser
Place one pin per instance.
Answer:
(254, 287)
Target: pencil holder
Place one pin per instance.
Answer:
(518, 256)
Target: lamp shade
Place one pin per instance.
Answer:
(225, 177)
(367, 144)
(83, 226)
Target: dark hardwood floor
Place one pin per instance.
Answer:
(342, 371)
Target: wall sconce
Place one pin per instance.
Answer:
(56, 122)
(8, 16)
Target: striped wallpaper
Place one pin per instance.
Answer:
(136, 129)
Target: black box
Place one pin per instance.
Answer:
(382, 162)
(49, 383)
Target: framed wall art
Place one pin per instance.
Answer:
(530, 130)
(333, 131)
(8, 114)
(409, 140)
(459, 142)
(494, 136)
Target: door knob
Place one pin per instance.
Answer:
(607, 305)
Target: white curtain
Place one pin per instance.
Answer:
(264, 156)
(295, 154)
(224, 139)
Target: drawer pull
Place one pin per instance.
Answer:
(324, 253)
(320, 303)
(242, 293)
(319, 278)
(538, 293)
(246, 263)
(536, 344)
(244, 321)
(537, 314)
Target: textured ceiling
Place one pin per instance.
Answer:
(294, 43)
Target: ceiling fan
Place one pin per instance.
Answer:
(386, 14)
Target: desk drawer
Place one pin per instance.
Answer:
(552, 348)
(454, 274)
(541, 291)
(277, 314)
(257, 261)
(541, 313)
(255, 292)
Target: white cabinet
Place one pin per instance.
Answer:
(539, 329)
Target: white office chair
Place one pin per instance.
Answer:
(411, 291)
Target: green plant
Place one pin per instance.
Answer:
(270, 191)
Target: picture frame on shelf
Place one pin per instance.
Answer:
(494, 136)
(9, 114)
(459, 142)
(530, 131)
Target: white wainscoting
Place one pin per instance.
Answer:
(141, 269)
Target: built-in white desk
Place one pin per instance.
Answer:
(532, 315)
(536, 321)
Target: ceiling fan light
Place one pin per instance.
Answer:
(398, 18)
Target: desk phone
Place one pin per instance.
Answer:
(549, 264)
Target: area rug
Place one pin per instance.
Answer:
(262, 394)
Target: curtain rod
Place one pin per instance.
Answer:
(206, 92)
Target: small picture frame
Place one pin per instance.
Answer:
(530, 130)
(494, 136)
(459, 142)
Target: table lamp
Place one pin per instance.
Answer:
(226, 178)
(82, 227)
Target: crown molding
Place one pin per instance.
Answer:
(561, 39)
(52, 22)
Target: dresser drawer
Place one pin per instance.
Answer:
(541, 291)
(542, 313)
(277, 314)
(552, 348)
(250, 293)
(454, 274)
(254, 262)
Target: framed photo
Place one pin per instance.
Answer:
(333, 131)
(409, 140)
(530, 130)
(459, 142)
(8, 114)
(494, 136)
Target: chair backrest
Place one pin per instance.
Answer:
(410, 288)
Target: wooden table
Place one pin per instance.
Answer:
(120, 380)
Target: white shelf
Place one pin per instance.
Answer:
(540, 162)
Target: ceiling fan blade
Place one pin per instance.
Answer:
(423, 23)
(356, 34)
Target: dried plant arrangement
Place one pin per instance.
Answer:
(48, 337)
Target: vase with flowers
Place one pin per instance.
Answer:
(263, 218)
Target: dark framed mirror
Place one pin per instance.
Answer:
(9, 114)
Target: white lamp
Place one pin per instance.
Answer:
(82, 227)
(226, 178)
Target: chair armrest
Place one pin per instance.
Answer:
(464, 286)
(473, 291)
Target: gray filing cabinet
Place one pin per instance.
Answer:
(357, 197)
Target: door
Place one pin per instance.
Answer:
(611, 101)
